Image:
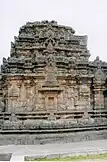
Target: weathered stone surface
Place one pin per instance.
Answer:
(48, 82)
(31, 139)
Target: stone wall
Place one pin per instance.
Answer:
(31, 139)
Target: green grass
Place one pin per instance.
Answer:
(74, 158)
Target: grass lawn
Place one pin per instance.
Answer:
(74, 158)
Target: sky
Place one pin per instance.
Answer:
(86, 17)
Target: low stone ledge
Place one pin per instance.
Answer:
(48, 138)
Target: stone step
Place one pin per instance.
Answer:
(57, 113)
(60, 130)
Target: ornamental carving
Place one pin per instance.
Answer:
(48, 77)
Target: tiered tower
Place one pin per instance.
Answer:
(49, 85)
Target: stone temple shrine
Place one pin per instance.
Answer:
(49, 90)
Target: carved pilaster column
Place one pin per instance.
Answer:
(13, 95)
(99, 80)
(98, 97)
(89, 93)
(84, 92)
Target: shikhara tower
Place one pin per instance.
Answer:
(49, 83)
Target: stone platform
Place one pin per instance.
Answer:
(35, 138)
(35, 131)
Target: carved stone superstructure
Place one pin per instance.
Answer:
(48, 84)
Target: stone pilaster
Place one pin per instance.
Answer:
(98, 97)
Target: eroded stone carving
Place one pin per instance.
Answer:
(49, 83)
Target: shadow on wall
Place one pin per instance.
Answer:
(105, 99)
